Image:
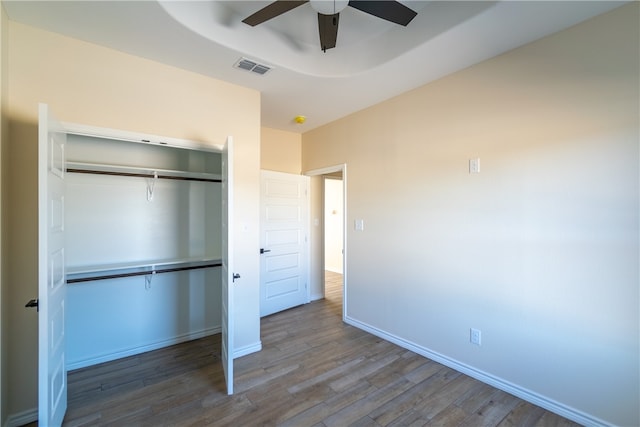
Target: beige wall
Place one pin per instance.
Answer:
(91, 85)
(281, 151)
(539, 251)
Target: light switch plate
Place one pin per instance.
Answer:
(474, 165)
(359, 225)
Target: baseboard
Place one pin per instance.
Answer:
(248, 349)
(142, 349)
(22, 418)
(499, 383)
(315, 297)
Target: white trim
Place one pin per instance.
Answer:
(143, 348)
(145, 138)
(247, 349)
(327, 170)
(22, 418)
(497, 382)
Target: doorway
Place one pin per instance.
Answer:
(333, 196)
(326, 283)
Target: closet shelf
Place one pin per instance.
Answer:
(142, 172)
(115, 271)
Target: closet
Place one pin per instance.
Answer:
(134, 249)
(143, 246)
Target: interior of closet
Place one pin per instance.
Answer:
(142, 246)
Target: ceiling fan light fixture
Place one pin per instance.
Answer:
(329, 7)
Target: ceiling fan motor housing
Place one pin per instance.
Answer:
(329, 7)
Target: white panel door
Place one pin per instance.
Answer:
(228, 275)
(52, 374)
(284, 223)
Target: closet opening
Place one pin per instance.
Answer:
(133, 250)
(142, 247)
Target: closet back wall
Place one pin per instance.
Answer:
(113, 221)
(91, 85)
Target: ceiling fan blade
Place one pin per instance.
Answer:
(328, 28)
(392, 11)
(272, 10)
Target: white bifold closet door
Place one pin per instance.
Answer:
(228, 275)
(52, 373)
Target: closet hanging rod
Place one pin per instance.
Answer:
(142, 175)
(143, 273)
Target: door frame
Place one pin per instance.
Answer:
(318, 173)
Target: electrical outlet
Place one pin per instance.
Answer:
(475, 336)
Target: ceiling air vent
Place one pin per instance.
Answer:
(253, 66)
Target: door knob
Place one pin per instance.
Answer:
(235, 276)
(263, 250)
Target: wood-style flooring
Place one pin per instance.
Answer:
(314, 370)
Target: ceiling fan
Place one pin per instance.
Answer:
(329, 14)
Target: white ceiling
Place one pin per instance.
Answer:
(374, 60)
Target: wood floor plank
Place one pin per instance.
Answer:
(328, 374)
(363, 371)
(444, 397)
(493, 411)
(330, 406)
(367, 403)
(397, 409)
(452, 415)
(549, 419)
(524, 414)
(314, 370)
